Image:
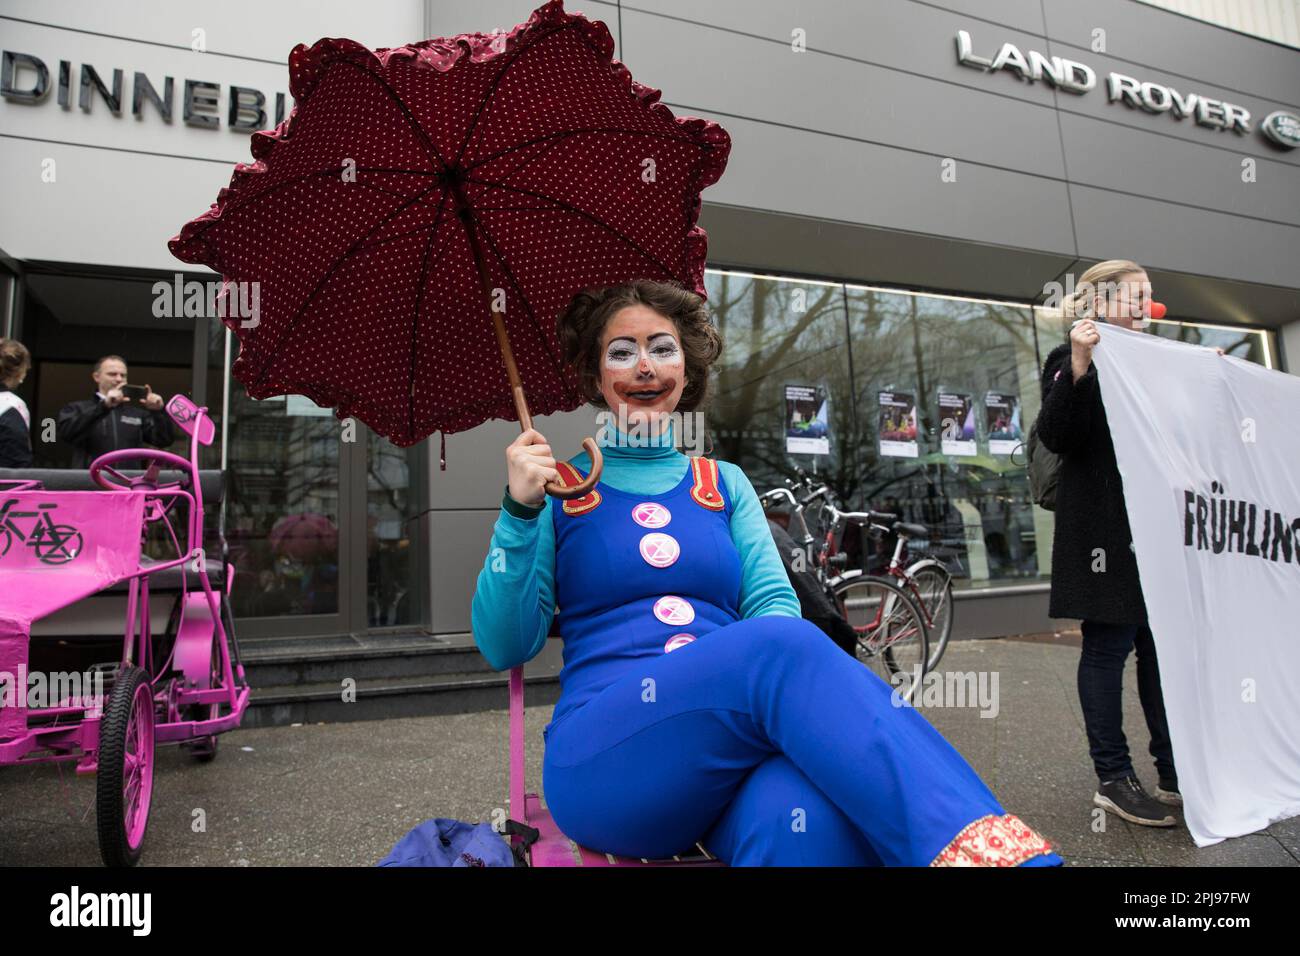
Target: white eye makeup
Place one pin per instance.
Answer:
(624, 352)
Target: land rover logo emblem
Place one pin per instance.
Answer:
(1282, 128)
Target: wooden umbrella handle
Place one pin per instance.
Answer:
(557, 490)
(553, 488)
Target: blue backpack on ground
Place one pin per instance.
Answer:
(443, 842)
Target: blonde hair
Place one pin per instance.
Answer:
(15, 360)
(1081, 304)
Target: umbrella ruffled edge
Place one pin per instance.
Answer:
(308, 64)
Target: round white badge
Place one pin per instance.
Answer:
(659, 549)
(650, 514)
(678, 640)
(674, 610)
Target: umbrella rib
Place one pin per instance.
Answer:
(562, 134)
(528, 306)
(297, 179)
(415, 125)
(496, 81)
(329, 273)
(397, 235)
(581, 212)
(415, 321)
(389, 192)
(527, 162)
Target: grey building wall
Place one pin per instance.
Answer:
(835, 171)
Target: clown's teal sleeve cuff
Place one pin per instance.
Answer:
(519, 509)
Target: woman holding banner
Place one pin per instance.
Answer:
(1094, 568)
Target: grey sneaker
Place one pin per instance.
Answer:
(1167, 793)
(1127, 800)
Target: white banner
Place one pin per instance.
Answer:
(1209, 450)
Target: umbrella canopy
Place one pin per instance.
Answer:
(418, 196)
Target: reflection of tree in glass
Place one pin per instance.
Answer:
(860, 342)
(776, 333)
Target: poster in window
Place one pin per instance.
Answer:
(897, 425)
(1002, 418)
(957, 424)
(807, 420)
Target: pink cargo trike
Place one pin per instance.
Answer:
(69, 535)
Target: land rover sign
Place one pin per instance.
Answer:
(1071, 76)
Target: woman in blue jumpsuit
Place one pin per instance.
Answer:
(682, 719)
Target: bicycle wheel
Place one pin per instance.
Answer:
(931, 586)
(892, 637)
(124, 775)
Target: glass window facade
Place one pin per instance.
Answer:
(282, 518)
(930, 399)
(306, 505)
(391, 567)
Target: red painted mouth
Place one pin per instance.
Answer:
(644, 394)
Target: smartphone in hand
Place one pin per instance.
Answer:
(135, 393)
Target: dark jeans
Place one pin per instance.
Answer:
(1101, 672)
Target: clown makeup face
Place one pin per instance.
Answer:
(643, 368)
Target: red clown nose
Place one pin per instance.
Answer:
(1158, 310)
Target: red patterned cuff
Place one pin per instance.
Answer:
(993, 841)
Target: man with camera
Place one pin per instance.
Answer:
(119, 416)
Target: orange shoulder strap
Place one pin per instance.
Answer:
(704, 489)
(569, 477)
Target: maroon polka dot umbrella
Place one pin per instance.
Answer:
(423, 216)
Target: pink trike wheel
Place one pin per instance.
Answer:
(124, 780)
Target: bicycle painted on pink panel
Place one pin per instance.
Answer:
(66, 536)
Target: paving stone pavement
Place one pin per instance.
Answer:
(343, 794)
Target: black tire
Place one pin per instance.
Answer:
(933, 592)
(110, 803)
(861, 598)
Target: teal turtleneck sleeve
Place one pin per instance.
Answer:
(514, 600)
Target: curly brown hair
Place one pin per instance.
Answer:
(583, 322)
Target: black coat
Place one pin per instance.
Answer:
(92, 428)
(1092, 529)
(15, 440)
(814, 603)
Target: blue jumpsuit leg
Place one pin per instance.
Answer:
(778, 817)
(657, 758)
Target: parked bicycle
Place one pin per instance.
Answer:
(927, 579)
(892, 636)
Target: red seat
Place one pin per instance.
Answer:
(552, 847)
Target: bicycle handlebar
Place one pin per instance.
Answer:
(814, 495)
(779, 493)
